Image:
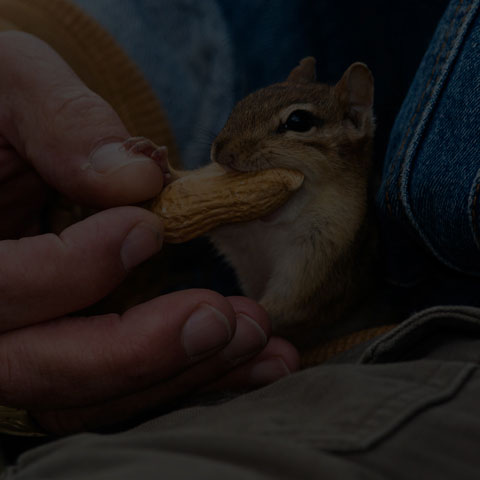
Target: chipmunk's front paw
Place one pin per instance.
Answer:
(158, 154)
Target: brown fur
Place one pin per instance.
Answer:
(310, 262)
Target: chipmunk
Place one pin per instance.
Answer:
(309, 263)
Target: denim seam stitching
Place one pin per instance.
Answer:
(445, 45)
(410, 156)
(416, 112)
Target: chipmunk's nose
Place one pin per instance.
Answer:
(226, 158)
(222, 155)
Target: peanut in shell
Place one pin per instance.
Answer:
(203, 199)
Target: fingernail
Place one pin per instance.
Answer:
(143, 241)
(206, 330)
(112, 156)
(269, 371)
(249, 339)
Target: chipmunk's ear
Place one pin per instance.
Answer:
(303, 73)
(355, 91)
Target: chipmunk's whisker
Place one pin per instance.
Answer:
(205, 136)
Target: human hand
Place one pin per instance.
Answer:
(75, 373)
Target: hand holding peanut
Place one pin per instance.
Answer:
(74, 373)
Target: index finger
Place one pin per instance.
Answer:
(71, 136)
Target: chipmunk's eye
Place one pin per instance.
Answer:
(299, 121)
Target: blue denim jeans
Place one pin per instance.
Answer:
(429, 198)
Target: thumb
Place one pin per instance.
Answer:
(71, 136)
(47, 276)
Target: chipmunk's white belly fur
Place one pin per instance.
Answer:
(248, 247)
(257, 249)
(289, 263)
